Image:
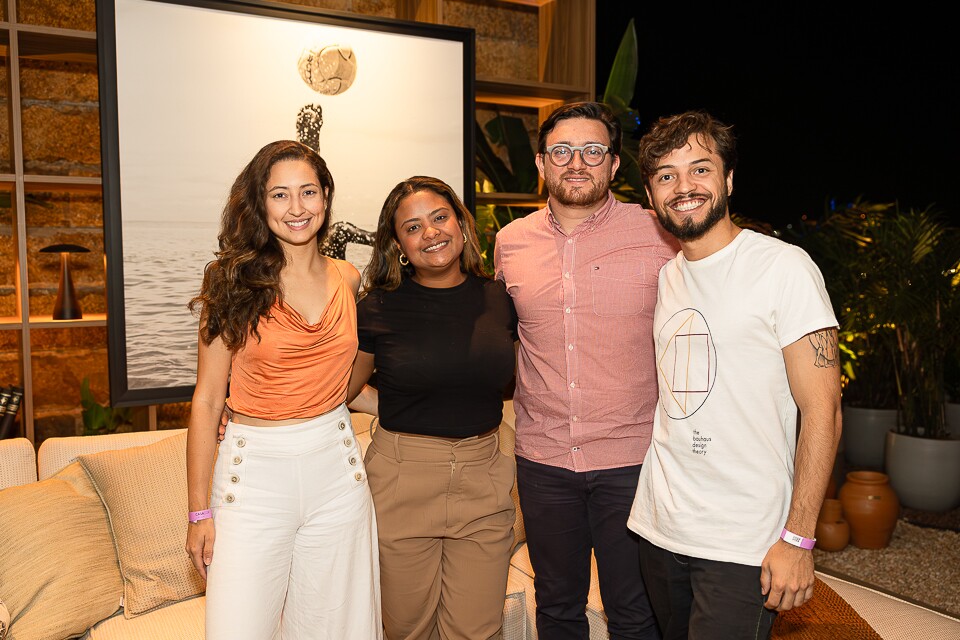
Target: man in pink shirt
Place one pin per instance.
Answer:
(583, 276)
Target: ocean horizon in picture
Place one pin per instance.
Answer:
(161, 331)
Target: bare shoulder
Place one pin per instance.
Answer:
(349, 273)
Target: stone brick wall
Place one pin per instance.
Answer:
(506, 37)
(61, 118)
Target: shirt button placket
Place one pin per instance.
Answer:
(569, 291)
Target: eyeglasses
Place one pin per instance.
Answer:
(591, 154)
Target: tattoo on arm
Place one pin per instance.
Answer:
(825, 349)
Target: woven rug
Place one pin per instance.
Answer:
(826, 617)
(949, 520)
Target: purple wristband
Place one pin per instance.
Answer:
(798, 541)
(197, 516)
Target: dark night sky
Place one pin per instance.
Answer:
(825, 106)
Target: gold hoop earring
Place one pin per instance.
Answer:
(403, 260)
(464, 238)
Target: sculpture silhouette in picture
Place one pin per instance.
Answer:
(329, 70)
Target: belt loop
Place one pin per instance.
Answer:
(395, 439)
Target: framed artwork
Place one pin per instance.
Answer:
(190, 91)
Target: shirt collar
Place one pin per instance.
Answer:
(595, 219)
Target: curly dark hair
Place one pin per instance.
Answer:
(384, 270)
(243, 282)
(672, 132)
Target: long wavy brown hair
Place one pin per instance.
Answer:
(384, 270)
(243, 282)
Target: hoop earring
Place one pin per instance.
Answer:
(464, 238)
(403, 260)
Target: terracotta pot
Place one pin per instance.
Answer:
(833, 532)
(871, 507)
(831, 487)
(864, 433)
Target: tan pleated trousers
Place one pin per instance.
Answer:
(445, 523)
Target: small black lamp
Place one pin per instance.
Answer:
(67, 307)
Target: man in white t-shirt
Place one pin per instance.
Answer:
(745, 334)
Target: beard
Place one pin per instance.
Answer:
(689, 230)
(590, 194)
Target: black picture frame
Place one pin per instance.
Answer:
(139, 146)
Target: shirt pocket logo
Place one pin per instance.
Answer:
(619, 288)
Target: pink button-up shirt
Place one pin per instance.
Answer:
(586, 377)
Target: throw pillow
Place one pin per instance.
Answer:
(145, 492)
(4, 620)
(58, 568)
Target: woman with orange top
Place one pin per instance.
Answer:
(287, 542)
(440, 334)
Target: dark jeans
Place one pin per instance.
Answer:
(566, 514)
(704, 599)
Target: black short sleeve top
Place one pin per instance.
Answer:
(443, 357)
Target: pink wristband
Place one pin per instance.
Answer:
(798, 541)
(197, 516)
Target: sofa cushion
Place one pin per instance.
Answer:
(19, 462)
(145, 492)
(182, 620)
(58, 567)
(4, 620)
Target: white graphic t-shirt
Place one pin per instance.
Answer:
(718, 477)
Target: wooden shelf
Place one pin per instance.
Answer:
(64, 183)
(529, 3)
(50, 43)
(526, 93)
(533, 200)
(89, 320)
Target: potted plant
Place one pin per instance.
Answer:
(917, 257)
(840, 243)
(907, 300)
(896, 287)
(951, 385)
(99, 419)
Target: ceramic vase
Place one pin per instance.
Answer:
(871, 508)
(864, 433)
(833, 532)
(831, 487)
(924, 472)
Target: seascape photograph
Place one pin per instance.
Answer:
(378, 106)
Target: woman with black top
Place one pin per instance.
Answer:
(440, 334)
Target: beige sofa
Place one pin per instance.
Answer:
(91, 546)
(96, 549)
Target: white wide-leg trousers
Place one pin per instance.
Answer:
(295, 554)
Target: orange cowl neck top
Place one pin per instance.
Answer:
(297, 369)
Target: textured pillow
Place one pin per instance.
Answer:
(145, 492)
(4, 620)
(58, 566)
